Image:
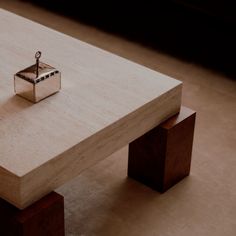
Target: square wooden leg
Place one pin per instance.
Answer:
(162, 157)
(43, 218)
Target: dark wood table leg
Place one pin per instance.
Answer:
(162, 157)
(43, 218)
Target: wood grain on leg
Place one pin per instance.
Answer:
(162, 157)
(43, 218)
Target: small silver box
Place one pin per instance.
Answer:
(37, 82)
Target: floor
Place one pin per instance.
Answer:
(103, 201)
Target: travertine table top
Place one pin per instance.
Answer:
(105, 103)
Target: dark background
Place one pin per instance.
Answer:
(197, 31)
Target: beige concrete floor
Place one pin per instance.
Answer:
(102, 201)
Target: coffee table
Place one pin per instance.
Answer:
(106, 102)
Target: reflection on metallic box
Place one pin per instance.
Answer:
(37, 82)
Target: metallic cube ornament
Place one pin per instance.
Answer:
(37, 81)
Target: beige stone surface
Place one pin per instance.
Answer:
(102, 201)
(105, 103)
